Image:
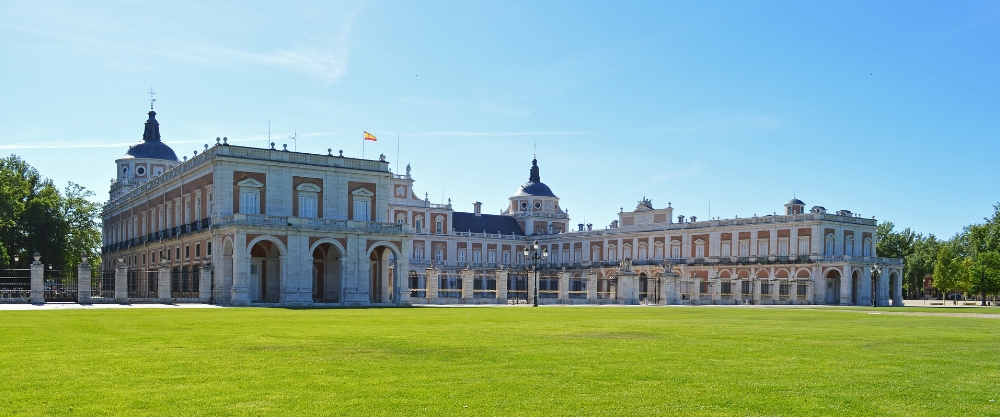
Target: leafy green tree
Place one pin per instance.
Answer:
(81, 216)
(984, 273)
(920, 263)
(948, 270)
(892, 244)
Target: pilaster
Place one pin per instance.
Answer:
(205, 284)
(502, 276)
(467, 285)
(564, 285)
(37, 282)
(121, 283)
(83, 283)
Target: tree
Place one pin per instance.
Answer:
(920, 262)
(948, 271)
(899, 245)
(37, 218)
(984, 273)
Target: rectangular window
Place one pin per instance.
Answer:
(307, 206)
(178, 257)
(801, 290)
(675, 252)
(477, 256)
(197, 250)
(491, 256)
(744, 249)
(762, 247)
(658, 252)
(144, 259)
(783, 289)
(506, 257)
(439, 227)
(765, 288)
(438, 255)
(208, 249)
(704, 287)
(783, 248)
(249, 203)
(418, 252)
(726, 252)
(745, 287)
(187, 252)
(727, 288)
(362, 210)
(461, 255)
(699, 251)
(803, 246)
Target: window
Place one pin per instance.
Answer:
(675, 251)
(762, 247)
(578, 255)
(491, 256)
(461, 255)
(178, 254)
(438, 254)
(187, 252)
(308, 205)
(208, 249)
(419, 223)
(726, 251)
(506, 257)
(418, 252)
(627, 251)
(867, 248)
(727, 288)
(744, 248)
(699, 250)
(801, 290)
(197, 250)
(783, 247)
(705, 287)
(803, 246)
(745, 287)
(612, 253)
(439, 227)
(477, 256)
(829, 245)
(250, 202)
(849, 246)
(658, 250)
(765, 288)
(362, 204)
(783, 289)
(595, 254)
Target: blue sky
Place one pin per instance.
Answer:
(888, 109)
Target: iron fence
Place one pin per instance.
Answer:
(102, 285)
(517, 287)
(60, 288)
(15, 284)
(184, 283)
(143, 284)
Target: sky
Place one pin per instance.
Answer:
(889, 109)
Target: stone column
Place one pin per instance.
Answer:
(897, 290)
(241, 271)
(37, 281)
(205, 284)
(564, 286)
(716, 290)
(432, 282)
(403, 274)
(865, 298)
(591, 286)
(810, 292)
(696, 290)
(502, 276)
(667, 289)
(756, 291)
(121, 282)
(846, 286)
(737, 286)
(468, 276)
(83, 284)
(163, 284)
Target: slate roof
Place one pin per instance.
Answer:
(490, 223)
(534, 186)
(151, 147)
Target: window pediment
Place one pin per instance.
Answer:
(362, 192)
(251, 183)
(308, 187)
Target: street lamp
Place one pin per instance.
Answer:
(876, 271)
(534, 256)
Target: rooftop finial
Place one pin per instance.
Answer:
(534, 172)
(151, 99)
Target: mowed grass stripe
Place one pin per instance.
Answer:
(492, 361)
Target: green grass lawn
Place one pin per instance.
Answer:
(496, 361)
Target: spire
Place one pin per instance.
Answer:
(534, 172)
(152, 133)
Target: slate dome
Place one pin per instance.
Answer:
(534, 187)
(151, 147)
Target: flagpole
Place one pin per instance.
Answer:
(363, 146)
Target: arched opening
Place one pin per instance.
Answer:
(327, 282)
(833, 287)
(644, 292)
(265, 273)
(382, 261)
(855, 287)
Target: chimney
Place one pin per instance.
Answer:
(581, 226)
(478, 208)
(680, 219)
(590, 227)
(614, 224)
(694, 219)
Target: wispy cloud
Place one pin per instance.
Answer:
(451, 133)
(695, 168)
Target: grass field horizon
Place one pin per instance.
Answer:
(492, 361)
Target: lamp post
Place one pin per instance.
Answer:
(876, 271)
(535, 256)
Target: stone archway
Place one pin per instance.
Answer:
(855, 286)
(833, 287)
(265, 276)
(226, 268)
(381, 274)
(327, 273)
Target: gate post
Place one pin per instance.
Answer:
(83, 290)
(432, 282)
(564, 286)
(467, 285)
(502, 276)
(163, 284)
(37, 281)
(205, 284)
(121, 281)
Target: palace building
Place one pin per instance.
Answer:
(239, 225)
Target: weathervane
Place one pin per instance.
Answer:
(151, 99)
(535, 155)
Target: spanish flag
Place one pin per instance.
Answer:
(371, 137)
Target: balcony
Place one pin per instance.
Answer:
(311, 223)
